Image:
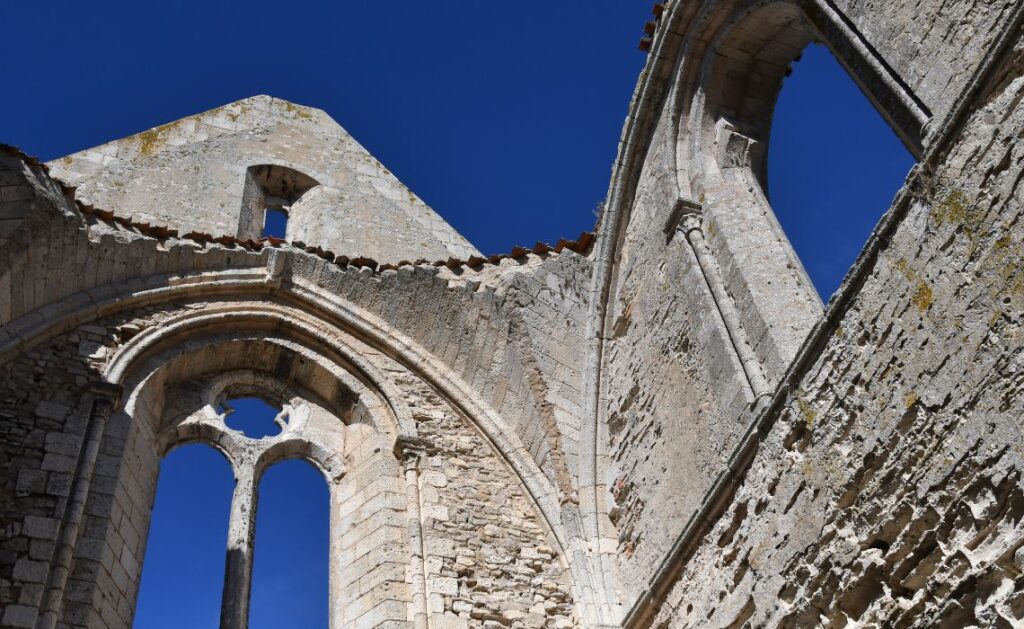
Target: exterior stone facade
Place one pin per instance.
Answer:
(655, 425)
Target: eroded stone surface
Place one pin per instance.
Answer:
(665, 430)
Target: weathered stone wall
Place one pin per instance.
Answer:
(675, 392)
(473, 324)
(933, 46)
(872, 477)
(545, 299)
(487, 556)
(676, 398)
(191, 175)
(525, 316)
(16, 194)
(43, 416)
(513, 330)
(676, 388)
(888, 491)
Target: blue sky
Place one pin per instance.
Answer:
(504, 116)
(834, 167)
(183, 572)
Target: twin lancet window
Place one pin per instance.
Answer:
(190, 526)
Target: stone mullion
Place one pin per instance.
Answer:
(234, 613)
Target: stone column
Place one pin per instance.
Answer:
(234, 610)
(411, 454)
(690, 224)
(105, 397)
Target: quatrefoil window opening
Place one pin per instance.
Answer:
(253, 416)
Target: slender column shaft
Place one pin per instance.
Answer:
(105, 398)
(691, 224)
(416, 542)
(234, 610)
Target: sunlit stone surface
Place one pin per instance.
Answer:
(655, 425)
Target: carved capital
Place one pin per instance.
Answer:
(410, 451)
(107, 392)
(680, 211)
(691, 222)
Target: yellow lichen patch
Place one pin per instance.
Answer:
(151, 141)
(952, 208)
(1011, 278)
(904, 268)
(66, 160)
(243, 108)
(922, 297)
(910, 400)
(298, 112)
(806, 410)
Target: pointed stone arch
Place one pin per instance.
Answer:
(302, 311)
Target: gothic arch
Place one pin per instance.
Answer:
(332, 366)
(174, 378)
(698, 125)
(312, 313)
(729, 80)
(257, 283)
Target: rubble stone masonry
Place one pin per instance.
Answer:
(657, 424)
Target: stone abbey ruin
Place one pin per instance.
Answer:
(655, 425)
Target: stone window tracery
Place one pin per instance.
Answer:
(330, 407)
(253, 416)
(255, 421)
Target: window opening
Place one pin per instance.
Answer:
(291, 554)
(275, 223)
(834, 166)
(268, 196)
(254, 417)
(183, 571)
